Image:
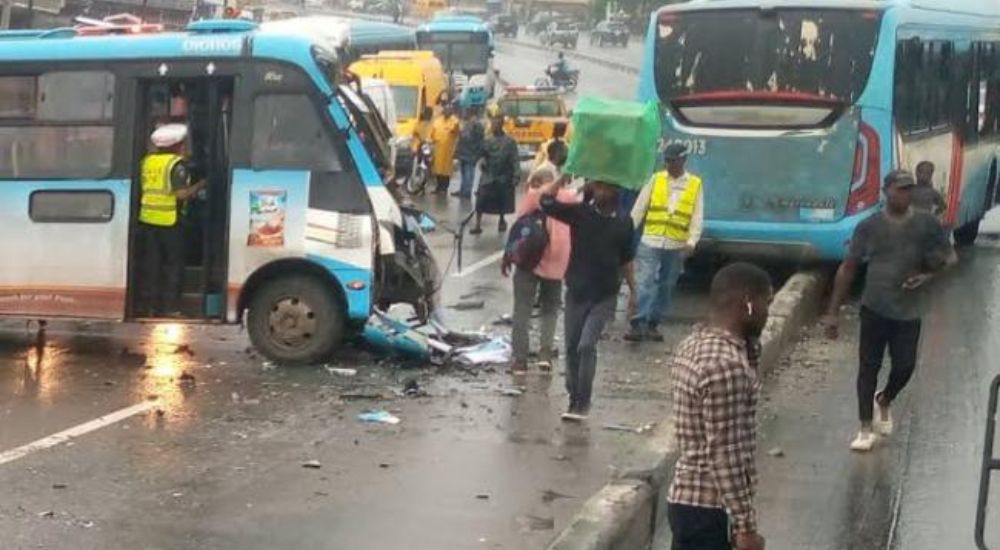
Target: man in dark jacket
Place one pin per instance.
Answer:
(501, 171)
(470, 149)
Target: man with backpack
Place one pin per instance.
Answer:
(600, 250)
(538, 248)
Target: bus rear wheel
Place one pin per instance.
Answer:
(295, 320)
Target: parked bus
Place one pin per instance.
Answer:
(793, 111)
(294, 234)
(349, 38)
(464, 44)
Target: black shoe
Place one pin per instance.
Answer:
(502, 226)
(653, 335)
(476, 231)
(635, 334)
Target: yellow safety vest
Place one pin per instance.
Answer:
(158, 205)
(660, 220)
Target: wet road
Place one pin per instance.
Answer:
(918, 489)
(184, 440)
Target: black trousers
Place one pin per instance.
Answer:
(696, 528)
(161, 250)
(878, 332)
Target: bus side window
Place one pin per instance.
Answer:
(289, 134)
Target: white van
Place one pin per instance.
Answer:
(381, 95)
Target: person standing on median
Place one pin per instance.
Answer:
(501, 173)
(670, 211)
(600, 250)
(544, 281)
(444, 135)
(710, 503)
(903, 249)
(469, 151)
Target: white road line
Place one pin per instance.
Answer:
(75, 431)
(485, 262)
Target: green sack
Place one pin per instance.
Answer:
(614, 141)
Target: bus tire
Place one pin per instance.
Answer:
(296, 320)
(966, 235)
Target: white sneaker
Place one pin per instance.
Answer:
(883, 419)
(863, 442)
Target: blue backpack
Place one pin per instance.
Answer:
(527, 241)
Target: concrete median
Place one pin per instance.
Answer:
(630, 512)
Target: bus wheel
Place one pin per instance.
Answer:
(966, 235)
(295, 320)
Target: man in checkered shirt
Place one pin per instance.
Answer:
(715, 387)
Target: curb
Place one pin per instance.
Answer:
(627, 513)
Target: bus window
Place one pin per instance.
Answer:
(288, 134)
(774, 56)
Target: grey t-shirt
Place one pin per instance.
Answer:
(927, 199)
(895, 250)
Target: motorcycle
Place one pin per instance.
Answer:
(420, 176)
(564, 79)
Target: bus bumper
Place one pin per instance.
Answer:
(792, 242)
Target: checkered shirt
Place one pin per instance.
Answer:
(715, 389)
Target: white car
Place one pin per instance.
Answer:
(356, 5)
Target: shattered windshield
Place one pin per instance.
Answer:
(824, 53)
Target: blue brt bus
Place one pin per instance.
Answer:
(294, 234)
(794, 110)
(464, 44)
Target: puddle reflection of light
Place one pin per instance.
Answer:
(41, 373)
(165, 366)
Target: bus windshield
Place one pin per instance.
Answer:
(784, 53)
(466, 52)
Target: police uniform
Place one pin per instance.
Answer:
(160, 239)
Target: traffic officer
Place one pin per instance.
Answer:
(165, 181)
(670, 208)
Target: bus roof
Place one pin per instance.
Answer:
(979, 7)
(455, 23)
(214, 39)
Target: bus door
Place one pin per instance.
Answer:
(188, 281)
(65, 197)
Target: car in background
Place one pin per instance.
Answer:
(540, 21)
(563, 32)
(530, 114)
(356, 5)
(614, 33)
(504, 24)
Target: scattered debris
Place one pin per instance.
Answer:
(185, 349)
(59, 485)
(631, 429)
(511, 392)
(560, 458)
(362, 395)
(468, 305)
(411, 388)
(268, 366)
(777, 452)
(312, 464)
(48, 514)
(385, 465)
(110, 383)
(504, 320)
(536, 523)
(378, 417)
(251, 401)
(493, 352)
(187, 378)
(483, 496)
(549, 495)
(341, 372)
(86, 524)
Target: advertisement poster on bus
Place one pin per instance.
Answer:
(267, 218)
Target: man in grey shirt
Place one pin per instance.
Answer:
(903, 249)
(925, 197)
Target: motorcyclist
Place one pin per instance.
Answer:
(560, 69)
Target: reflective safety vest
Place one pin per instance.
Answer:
(660, 220)
(159, 205)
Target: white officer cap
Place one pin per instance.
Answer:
(169, 135)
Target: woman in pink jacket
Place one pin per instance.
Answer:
(545, 281)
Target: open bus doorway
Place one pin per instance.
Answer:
(189, 281)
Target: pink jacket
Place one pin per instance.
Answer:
(556, 258)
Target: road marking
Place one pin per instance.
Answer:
(485, 262)
(75, 431)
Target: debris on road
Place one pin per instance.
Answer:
(536, 523)
(483, 496)
(495, 351)
(187, 378)
(411, 388)
(59, 485)
(268, 366)
(504, 320)
(549, 495)
(48, 514)
(630, 429)
(378, 417)
(185, 349)
(340, 371)
(312, 464)
(355, 395)
(511, 392)
(777, 452)
(468, 305)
